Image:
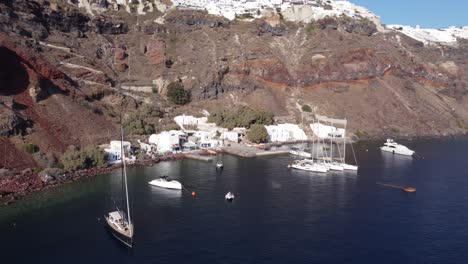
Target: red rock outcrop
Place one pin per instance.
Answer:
(156, 52)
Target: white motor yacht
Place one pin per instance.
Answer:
(395, 148)
(164, 182)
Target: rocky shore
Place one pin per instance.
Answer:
(13, 188)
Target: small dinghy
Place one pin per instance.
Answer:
(229, 196)
(165, 182)
(219, 165)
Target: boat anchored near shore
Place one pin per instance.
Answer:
(165, 182)
(229, 196)
(395, 148)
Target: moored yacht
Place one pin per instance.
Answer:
(300, 153)
(309, 165)
(334, 166)
(118, 221)
(164, 182)
(349, 167)
(395, 148)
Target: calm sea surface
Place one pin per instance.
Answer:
(278, 216)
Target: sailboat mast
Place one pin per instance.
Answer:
(125, 178)
(313, 144)
(331, 144)
(344, 145)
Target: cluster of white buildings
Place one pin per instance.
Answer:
(292, 10)
(285, 133)
(428, 36)
(197, 133)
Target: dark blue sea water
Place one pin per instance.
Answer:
(278, 216)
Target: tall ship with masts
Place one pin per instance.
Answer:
(119, 221)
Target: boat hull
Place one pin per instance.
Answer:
(173, 185)
(335, 167)
(312, 168)
(120, 236)
(300, 153)
(349, 167)
(404, 152)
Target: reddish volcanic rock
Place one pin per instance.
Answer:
(33, 60)
(14, 158)
(156, 52)
(120, 54)
(120, 67)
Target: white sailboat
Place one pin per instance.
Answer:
(300, 151)
(340, 165)
(119, 221)
(310, 164)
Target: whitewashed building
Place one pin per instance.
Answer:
(232, 136)
(329, 130)
(184, 120)
(114, 151)
(167, 141)
(285, 132)
(147, 148)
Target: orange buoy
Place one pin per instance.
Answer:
(409, 189)
(193, 194)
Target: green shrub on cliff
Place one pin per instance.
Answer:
(241, 117)
(306, 108)
(31, 148)
(177, 94)
(143, 121)
(83, 159)
(257, 134)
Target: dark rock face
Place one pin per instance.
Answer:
(358, 26)
(265, 28)
(67, 21)
(12, 123)
(362, 26)
(13, 74)
(197, 18)
(327, 23)
(105, 27)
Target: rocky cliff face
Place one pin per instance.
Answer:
(65, 64)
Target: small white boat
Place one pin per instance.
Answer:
(300, 153)
(395, 148)
(229, 196)
(219, 165)
(163, 182)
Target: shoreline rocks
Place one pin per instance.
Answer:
(15, 187)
